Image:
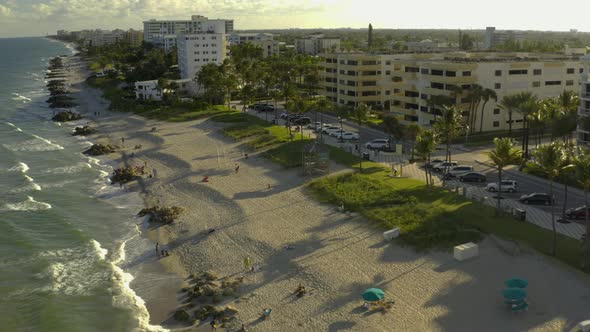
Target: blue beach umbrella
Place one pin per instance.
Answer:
(373, 294)
(516, 283)
(514, 294)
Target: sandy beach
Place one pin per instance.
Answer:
(262, 208)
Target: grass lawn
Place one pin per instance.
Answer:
(125, 101)
(432, 217)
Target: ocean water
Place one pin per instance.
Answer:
(69, 240)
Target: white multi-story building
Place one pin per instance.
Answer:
(404, 84)
(584, 111)
(197, 50)
(154, 30)
(265, 41)
(149, 90)
(316, 44)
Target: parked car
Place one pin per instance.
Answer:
(472, 177)
(258, 107)
(293, 117)
(267, 108)
(302, 121)
(507, 186)
(433, 162)
(578, 213)
(348, 136)
(460, 170)
(378, 144)
(444, 166)
(536, 198)
(328, 130)
(337, 132)
(284, 115)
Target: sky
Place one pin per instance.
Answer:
(41, 17)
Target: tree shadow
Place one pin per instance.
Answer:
(341, 326)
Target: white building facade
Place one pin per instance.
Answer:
(265, 41)
(197, 50)
(163, 33)
(149, 90)
(316, 44)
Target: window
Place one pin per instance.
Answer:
(213, 38)
(581, 70)
(424, 71)
(388, 72)
(552, 83)
(451, 73)
(571, 70)
(411, 69)
(496, 124)
(388, 63)
(213, 52)
(498, 73)
(537, 71)
(518, 72)
(496, 111)
(387, 92)
(436, 72)
(466, 73)
(536, 84)
(497, 86)
(569, 82)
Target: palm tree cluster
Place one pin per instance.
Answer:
(250, 76)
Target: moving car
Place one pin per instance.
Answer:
(444, 166)
(507, 186)
(328, 130)
(433, 162)
(472, 177)
(348, 136)
(460, 170)
(536, 198)
(378, 144)
(578, 213)
(314, 126)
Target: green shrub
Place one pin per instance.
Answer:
(181, 316)
(164, 215)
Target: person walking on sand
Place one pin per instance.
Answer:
(237, 169)
(123, 141)
(157, 252)
(247, 263)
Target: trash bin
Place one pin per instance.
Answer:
(366, 156)
(520, 214)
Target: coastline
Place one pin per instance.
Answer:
(159, 304)
(334, 255)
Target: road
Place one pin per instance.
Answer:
(475, 157)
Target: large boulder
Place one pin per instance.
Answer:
(99, 149)
(66, 116)
(83, 131)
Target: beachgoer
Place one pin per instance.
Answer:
(213, 325)
(394, 171)
(155, 173)
(123, 141)
(237, 169)
(266, 313)
(245, 155)
(210, 230)
(242, 329)
(157, 252)
(163, 252)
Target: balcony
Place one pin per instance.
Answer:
(408, 75)
(585, 95)
(584, 111)
(450, 79)
(406, 99)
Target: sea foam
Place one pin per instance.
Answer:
(13, 126)
(28, 205)
(20, 167)
(69, 169)
(38, 143)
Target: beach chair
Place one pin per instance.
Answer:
(519, 307)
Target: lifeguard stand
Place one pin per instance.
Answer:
(316, 159)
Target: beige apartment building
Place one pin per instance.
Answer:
(403, 84)
(584, 110)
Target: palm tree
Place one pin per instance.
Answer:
(411, 133)
(474, 96)
(552, 160)
(359, 114)
(322, 104)
(392, 127)
(486, 95)
(503, 155)
(447, 127)
(528, 105)
(295, 105)
(426, 142)
(582, 165)
(509, 103)
(229, 79)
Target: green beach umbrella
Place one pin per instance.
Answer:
(514, 294)
(516, 283)
(373, 294)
